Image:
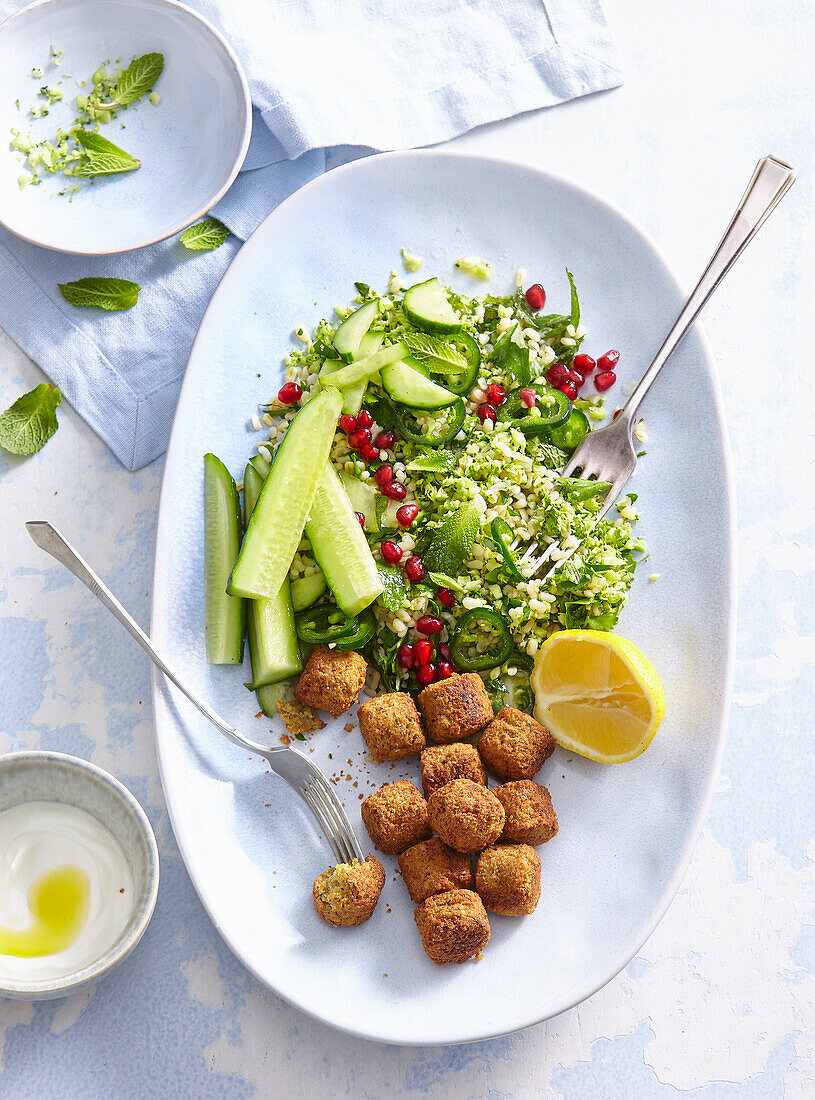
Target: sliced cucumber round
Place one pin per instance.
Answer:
(348, 336)
(426, 307)
(409, 387)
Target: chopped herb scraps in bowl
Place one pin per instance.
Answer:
(107, 152)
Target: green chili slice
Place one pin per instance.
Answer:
(363, 634)
(464, 382)
(570, 435)
(448, 428)
(471, 628)
(503, 536)
(325, 624)
(555, 410)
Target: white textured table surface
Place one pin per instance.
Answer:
(721, 1000)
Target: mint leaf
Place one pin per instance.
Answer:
(31, 421)
(138, 78)
(394, 587)
(434, 462)
(574, 315)
(102, 157)
(512, 356)
(110, 294)
(441, 357)
(452, 543)
(205, 236)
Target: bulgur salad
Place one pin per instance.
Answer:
(411, 471)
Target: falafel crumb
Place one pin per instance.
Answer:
(299, 717)
(348, 727)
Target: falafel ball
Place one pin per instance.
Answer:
(508, 879)
(396, 817)
(514, 745)
(454, 926)
(347, 894)
(442, 763)
(456, 708)
(531, 818)
(466, 815)
(331, 680)
(433, 867)
(391, 726)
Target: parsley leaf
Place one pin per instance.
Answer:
(102, 293)
(206, 236)
(138, 78)
(102, 157)
(31, 421)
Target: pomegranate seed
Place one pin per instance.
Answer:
(443, 651)
(485, 412)
(348, 423)
(608, 361)
(604, 380)
(360, 518)
(394, 490)
(406, 515)
(385, 440)
(443, 670)
(576, 377)
(289, 393)
(557, 374)
(391, 552)
(357, 439)
(364, 420)
(423, 651)
(529, 397)
(616, 413)
(414, 569)
(585, 364)
(384, 474)
(429, 624)
(369, 453)
(536, 296)
(570, 389)
(496, 394)
(426, 674)
(405, 656)
(446, 597)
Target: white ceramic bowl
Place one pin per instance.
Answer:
(56, 777)
(191, 145)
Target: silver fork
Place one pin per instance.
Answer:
(610, 454)
(289, 763)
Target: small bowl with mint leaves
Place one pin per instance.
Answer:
(122, 122)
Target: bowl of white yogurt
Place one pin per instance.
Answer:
(79, 874)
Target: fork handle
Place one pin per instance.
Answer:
(48, 538)
(771, 181)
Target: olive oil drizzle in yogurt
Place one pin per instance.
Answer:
(58, 903)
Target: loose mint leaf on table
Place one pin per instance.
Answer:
(102, 293)
(31, 421)
(205, 236)
(102, 157)
(138, 78)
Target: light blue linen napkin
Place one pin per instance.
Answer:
(324, 76)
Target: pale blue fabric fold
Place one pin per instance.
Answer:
(324, 76)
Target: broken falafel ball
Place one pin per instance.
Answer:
(396, 817)
(442, 763)
(508, 879)
(347, 894)
(432, 867)
(391, 726)
(514, 745)
(531, 819)
(466, 815)
(456, 708)
(454, 926)
(331, 680)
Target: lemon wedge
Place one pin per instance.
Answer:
(598, 694)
